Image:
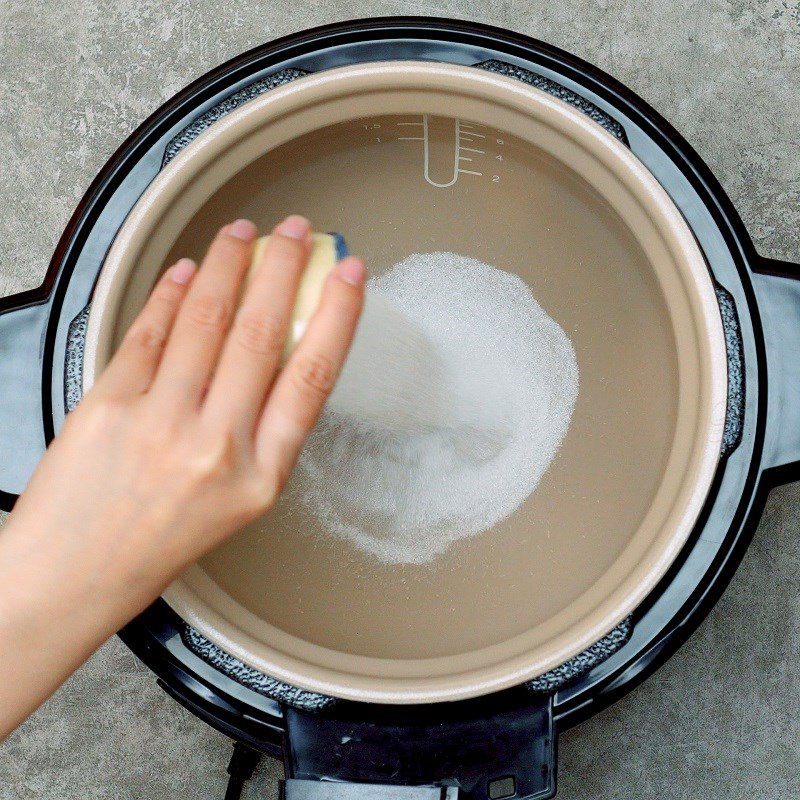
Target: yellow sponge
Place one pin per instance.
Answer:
(326, 250)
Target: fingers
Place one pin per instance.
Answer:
(133, 367)
(204, 317)
(253, 349)
(307, 379)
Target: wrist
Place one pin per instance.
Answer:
(99, 569)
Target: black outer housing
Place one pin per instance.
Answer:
(768, 304)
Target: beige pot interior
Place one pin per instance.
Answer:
(553, 198)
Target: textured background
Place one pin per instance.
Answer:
(721, 719)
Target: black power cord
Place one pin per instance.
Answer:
(241, 768)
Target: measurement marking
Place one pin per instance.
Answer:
(460, 137)
(426, 171)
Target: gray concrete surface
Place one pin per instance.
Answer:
(722, 718)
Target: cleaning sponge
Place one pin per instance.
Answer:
(326, 250)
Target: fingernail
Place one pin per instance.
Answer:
(295, 227)
(242, 229)
(351, 270)
(182, 271)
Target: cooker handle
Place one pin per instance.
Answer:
(23, 322)
(777, 285)
(496, 747)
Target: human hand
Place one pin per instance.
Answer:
(191, 432)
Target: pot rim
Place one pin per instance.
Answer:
(653, 198)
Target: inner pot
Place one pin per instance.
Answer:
(377, 151)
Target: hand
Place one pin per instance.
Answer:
(191, 432)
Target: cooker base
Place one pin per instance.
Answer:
(481, 745)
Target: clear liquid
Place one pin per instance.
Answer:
(587, 270)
